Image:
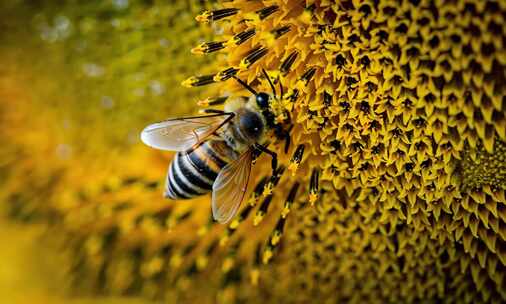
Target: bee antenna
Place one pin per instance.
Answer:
(244, 84)
(270, 82)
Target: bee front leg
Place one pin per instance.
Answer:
(273, 154)
(214, 111)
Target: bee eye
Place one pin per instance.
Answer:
(251, 124)
(262, 100)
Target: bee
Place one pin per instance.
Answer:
(216, 151)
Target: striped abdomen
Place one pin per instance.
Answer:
(192, 174)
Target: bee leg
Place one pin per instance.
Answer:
(282, 134)
(214, 111)
(256, 154)
(273, 154)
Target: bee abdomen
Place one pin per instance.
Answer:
(193, 174)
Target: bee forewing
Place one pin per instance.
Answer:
(230, 187)
(181, 134)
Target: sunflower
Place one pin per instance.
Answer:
(393, 188)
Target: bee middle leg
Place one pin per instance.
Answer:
(283, 134)
(274, 155)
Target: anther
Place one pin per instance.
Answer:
(278, 231)
(177, 218)
(287, 63)
(267, 11)
(267, 253)
(289, 200)
(242, 37)
(296, 159)
(209, 16)
(280, 31)
(262, 210)
(308, 75)
(273, 181)
(208, 47)
(225, 74)
(196, 81)
(255, 272)
(229, 260)
(257, 192)
(178, 257)
(215, 101)
(253, 56)
(203, 259)
(234, 224)
(204, 229)
(314, 186)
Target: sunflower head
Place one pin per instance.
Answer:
(390, 185)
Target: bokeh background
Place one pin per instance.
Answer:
(78, 81)
(400, 107)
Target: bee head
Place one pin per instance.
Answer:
(262, 100)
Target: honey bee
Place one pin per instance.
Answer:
(216, 151)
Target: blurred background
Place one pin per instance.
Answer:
(78, 81)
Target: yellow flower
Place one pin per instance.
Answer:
(393, 103)
(393, 189)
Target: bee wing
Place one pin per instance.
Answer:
(230, 187)
(181, 134)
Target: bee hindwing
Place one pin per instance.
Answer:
(230, 187)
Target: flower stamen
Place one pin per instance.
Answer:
(280, 31)
(241, 37)
(314, 186)
(273, 181)
(267, 11)
(252, 57)
(308, 75)
(225, 74)
(288, 62)
(212, 101)
(255, 271)
(278, 231)
(196, 81)
(209, 16)
(262, 210)
(289, 200)
(296, 159)
(208, 47)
